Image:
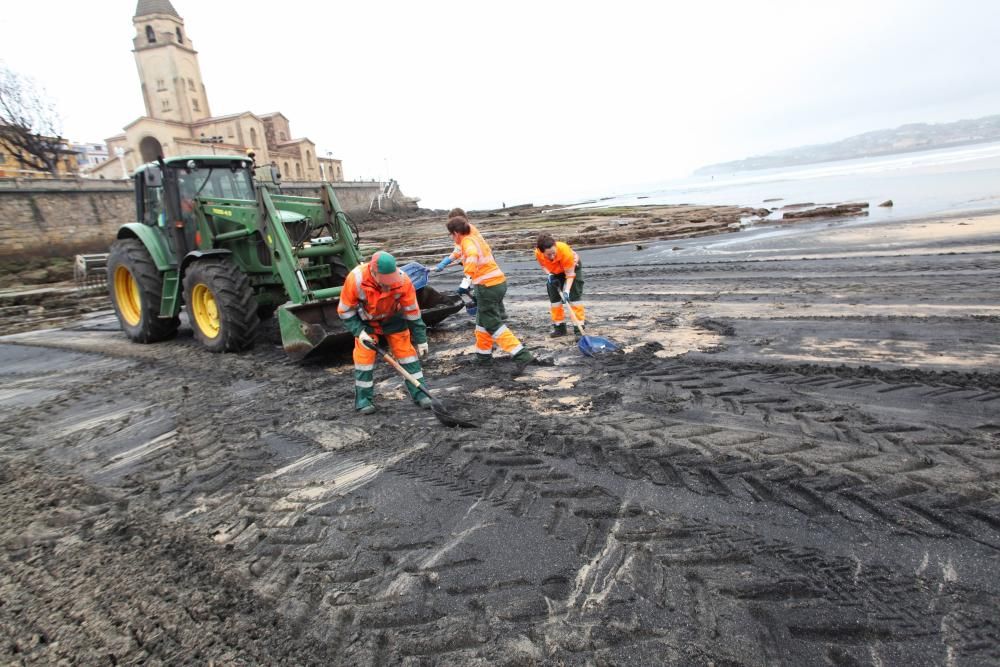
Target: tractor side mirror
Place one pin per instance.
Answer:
(153, 177)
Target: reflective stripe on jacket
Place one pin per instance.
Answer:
(565, 262)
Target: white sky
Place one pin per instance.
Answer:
(470, 104)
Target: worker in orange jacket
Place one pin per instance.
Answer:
(490, 286)
(378, 300)
(564, 284)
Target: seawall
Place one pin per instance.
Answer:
(63, 217)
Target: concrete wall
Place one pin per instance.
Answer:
(66, 217)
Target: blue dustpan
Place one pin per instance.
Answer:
(591, 345)
(418, 274)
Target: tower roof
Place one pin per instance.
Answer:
(146, 7)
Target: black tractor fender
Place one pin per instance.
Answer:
(196, 255)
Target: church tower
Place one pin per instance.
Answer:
(172, 88)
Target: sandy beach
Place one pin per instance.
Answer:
(794, 461)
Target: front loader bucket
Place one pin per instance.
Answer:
(309, 328)
(435, 306)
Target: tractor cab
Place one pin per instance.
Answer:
(166, 192)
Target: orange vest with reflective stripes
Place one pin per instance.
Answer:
(477, 260)
(565, 261)
(361, 295)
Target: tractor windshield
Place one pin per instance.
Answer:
(220, 181)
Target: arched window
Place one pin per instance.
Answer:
(253, 137)
(298, 170)
(180, 37)
(150, 35)
(281, 136)
(309, 159)
(285, 172)
(191, 85)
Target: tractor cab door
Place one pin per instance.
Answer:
(152, 201)
(150, 204)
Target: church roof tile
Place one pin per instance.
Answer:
(146, 7)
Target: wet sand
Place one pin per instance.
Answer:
(796, 461)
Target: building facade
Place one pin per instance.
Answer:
(178, 118)
(14, 165)
(89, 155)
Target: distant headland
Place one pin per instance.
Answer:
(903, 139)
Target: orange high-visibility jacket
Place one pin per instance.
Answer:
(565, 261)
(364, 301)
(456, 254)
(477, 259)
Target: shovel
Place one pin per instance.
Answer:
(437, 407)
(590, 345)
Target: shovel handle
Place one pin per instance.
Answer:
(572, 315)
(399, 368)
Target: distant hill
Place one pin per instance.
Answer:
(903, 139)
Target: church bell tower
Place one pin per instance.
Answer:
(172, 88)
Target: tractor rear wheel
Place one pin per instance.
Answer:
(136, 287)
(221, 305)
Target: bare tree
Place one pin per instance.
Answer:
(29, 123)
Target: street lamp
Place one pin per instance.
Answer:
(120, 152)
(215, 139)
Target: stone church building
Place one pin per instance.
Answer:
(178, 118)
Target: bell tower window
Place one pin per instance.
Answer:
(150, 35)
(180, 37)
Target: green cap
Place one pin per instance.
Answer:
(385, 263)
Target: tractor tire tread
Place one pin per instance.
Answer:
(132, 253)
(236, 302)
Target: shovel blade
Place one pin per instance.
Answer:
(449, 419)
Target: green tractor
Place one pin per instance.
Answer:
(216, 234)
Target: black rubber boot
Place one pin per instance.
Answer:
(558, 330)
(522, 360)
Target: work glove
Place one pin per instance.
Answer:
(422, 349)
(367, 340)
(565, 295)
(443, 263)
(552, 279)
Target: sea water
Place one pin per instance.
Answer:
(932, 182)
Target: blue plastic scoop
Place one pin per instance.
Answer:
(590, 345)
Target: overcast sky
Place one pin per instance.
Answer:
(470, 104)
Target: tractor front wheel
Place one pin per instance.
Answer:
(136, 288)
(221, 305)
